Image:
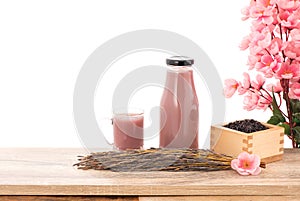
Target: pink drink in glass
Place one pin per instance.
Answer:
(128, 130)
(179, 116)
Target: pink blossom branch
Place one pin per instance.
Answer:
(274, 97)
(273, 56)
(280, 28)
(285, 86)
(266, 91)
(274, 52)
(281, 34)
(280, 100)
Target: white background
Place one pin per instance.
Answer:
(43, 45)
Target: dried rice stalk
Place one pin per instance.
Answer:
(156, 160)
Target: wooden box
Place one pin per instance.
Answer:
(268, 144)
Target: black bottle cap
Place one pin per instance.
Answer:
(180, 61)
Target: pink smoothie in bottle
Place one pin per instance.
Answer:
(179, 106)
(128, 130)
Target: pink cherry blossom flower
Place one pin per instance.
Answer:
(245, 43)
(260, 81)
(265, 3)
(275, 46)
(246, 164)
(231, 86)
(260, 41)
(276, 88)
(268, 65)
(257, 26)
(244, 87)
(295, 80)
(261, 13)
(252, 60)
(288, 4)
(251, 101)
(294, 92)
(264, 37)
(245, 11)
(292, 50)
(288, 19)
(264, 102)
(288, 71)
(295, 35)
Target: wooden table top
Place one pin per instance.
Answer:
(49, 171)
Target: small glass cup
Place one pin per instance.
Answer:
(128, 128)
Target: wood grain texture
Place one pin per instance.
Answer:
(50, 172)
(220, 198)
(66, 198)
(154, 198)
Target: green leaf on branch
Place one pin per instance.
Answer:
(280, 117)
(287, 129)
(295, 105)
(297, 121)
(297, 129)
(296, 118)
(276, 111)
(297, 134)
(274, 120)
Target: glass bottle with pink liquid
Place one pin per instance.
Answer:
(179, 116)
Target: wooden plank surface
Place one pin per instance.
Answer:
(220, 198)
(50, 172)
(154, 198)
(67, 198)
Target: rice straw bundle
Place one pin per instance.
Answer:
(156, 160)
